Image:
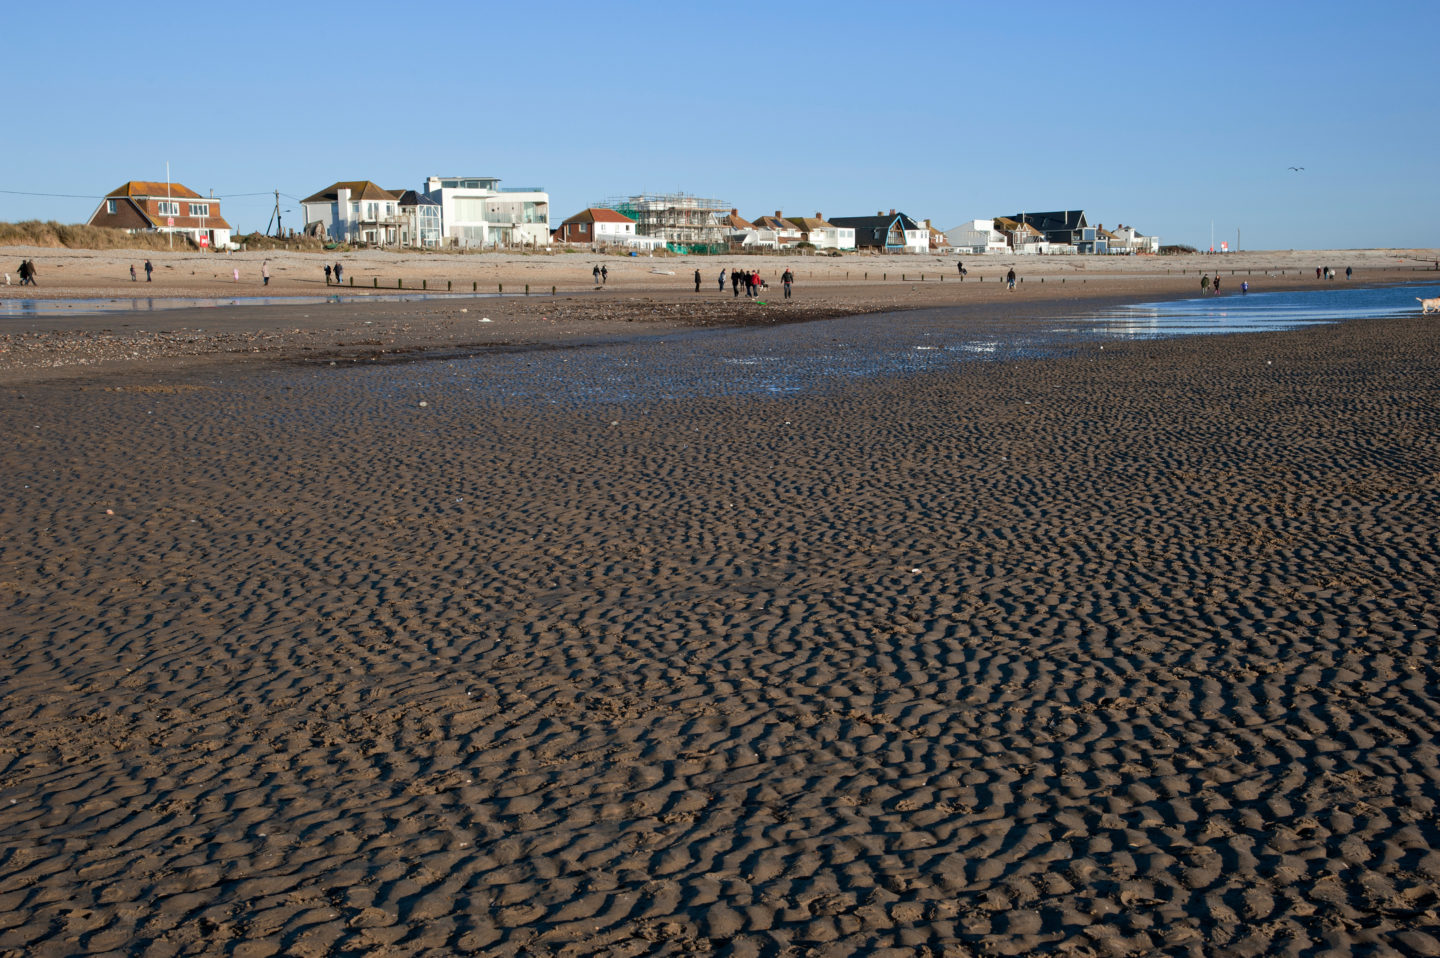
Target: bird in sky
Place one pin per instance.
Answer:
(1296, 169)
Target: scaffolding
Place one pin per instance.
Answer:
(679, 219)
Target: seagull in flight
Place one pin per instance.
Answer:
(1297, 169)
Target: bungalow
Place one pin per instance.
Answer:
(821, 234)
(596, 225)
(143, 205)
(887, 232)
(354, 211)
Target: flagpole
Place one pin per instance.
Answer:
(167, 201)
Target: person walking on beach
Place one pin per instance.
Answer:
(148, 270)
(960, 268)
(337, 274)
(787, 278)
(265, 273)
(132, 273)
(697, 281)
(1010, 280)
(596, 273)
(722, 279)
(604, 276)
(1347, 272)
(1216, 283)
(327, 274)
(1204, 285)
(1317, 272)
(735, 282)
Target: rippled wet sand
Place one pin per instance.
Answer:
(1121, 650)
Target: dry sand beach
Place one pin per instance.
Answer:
(1117, 651)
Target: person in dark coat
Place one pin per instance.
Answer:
(1010, 279)
(337, 274)
(722, 280)
(697, 281)
(596, 273)
(787, 278)
(604, 276)
(735, 281)
(148, 270)
(327, 274)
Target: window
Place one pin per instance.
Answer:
(168, 208)
(110, 207)
(199, 209)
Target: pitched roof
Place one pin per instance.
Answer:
(359, 190)
(139, 188)
(736, 222)
(775, 223)
(1051, 222)
(414, 198)
(882, 221)
(597, 214)
(808, 223)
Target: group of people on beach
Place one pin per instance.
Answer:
(601, 274)
(27, 273)
(149, 268)
(750, 279)
(335, 271)
(1328, 272)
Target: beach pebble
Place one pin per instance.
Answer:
(109, 512)
(485, 319)
(423, 404)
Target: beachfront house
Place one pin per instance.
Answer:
(354, 211)
(977, 237)
(147, 206)
(596, 226)
(887, 233)
(782, 233)
(1129, 240)
(939, 242)
(477, 213)
(822, 234)
(1067, 228)
(1026, 240)
(419, 219)
(740, 232)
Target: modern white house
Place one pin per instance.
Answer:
(354, 211)
(476, 213)
(977, 237)
(822, 234)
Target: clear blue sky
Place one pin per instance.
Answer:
(1162, 116)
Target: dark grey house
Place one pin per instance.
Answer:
(887, 232)
(1068, 227)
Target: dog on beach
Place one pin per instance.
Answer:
(1426, 305)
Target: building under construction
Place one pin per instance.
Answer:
(687, 224)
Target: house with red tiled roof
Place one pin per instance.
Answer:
(150, 206)
(354, 211)
(596, 225)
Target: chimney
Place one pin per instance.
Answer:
(892, 211)
(879, 212)
(734, 211)
(818, 216)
